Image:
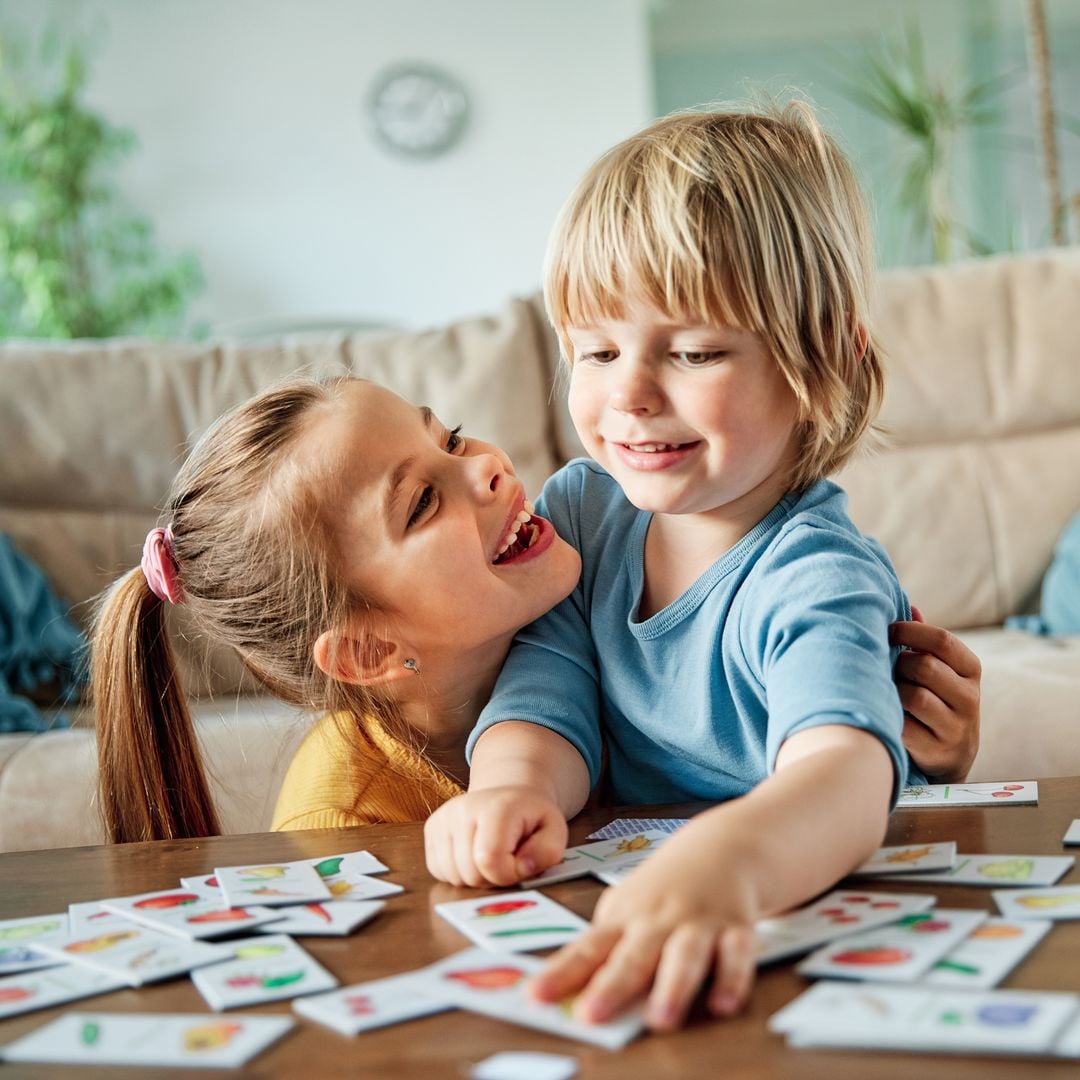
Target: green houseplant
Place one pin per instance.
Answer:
(73, 261)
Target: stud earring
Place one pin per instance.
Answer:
(412, 665)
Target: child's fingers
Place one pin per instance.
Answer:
(494, 842)
(684, 963)
(573, 965)
(945, 646)
(623, 977)
(926, 670)
(461, 853)
(437, 850)
(543, 848)
(736, 962)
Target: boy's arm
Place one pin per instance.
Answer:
(687, 915)
(525, 781)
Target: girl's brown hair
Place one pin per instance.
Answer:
(255, 563)
(746, 218)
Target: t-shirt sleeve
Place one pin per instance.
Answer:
(550, 676)
(816, 635)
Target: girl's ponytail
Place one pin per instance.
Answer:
(151, 782)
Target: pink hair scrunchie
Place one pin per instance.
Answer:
(159, 566)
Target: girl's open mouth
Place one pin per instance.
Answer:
(528, 535)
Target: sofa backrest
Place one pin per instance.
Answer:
(980, 475)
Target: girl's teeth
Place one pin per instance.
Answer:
(523, 516)
(529, 508)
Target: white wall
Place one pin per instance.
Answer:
(256, 155)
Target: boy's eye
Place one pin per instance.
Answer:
(427, 497)
(699, 358)
(599, 356)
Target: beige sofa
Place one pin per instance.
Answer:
(981, 475)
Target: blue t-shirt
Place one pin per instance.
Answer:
(786, 631)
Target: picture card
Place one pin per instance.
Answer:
(331, 868)
(924, 1018)
(632, 826)
(271, 884)
(174, 1039)
(17, 936)
(1055, 902)
(361, 887)
(135, 953)
(270, 968)
(988, 953)
(1006, 793)
(497, 986)
(189, 913)
(89, 917)
(31, 990)
(1016, 871)
(513, 922)
(909, 858)
(900, 952)
(591, 858)
(375, 1004)
(841, 912)
(1072, 834)
(337, 919)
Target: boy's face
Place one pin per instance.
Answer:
(688, 418)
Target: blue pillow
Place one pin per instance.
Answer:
(1060, 604)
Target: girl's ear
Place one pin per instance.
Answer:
(359, 657)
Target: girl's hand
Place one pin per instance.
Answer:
(495, 836)
(939, 679)
(677, 922)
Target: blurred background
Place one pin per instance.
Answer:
(246, 167)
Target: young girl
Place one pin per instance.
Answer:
(709, 280)
(392, 618)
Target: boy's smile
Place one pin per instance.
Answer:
(690, 419)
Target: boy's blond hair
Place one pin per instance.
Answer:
(749, 219)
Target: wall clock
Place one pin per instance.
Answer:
(418, 110)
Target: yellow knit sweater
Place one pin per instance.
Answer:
(348, 774)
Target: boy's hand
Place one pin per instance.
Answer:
(677, 921)
(939, 680)
(495, 836)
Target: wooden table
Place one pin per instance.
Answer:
(408, 934)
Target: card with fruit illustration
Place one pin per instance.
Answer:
(32, 990)
(595, 858)
(17, 936)
(498, 986)
(1005, 793)
(1017, 871)
(909, 859)
(1057, 902)
(374, 1004)
(988, 953)
(269, 968)
(925, 1018)
(842, 912)
(513, 922)
(900, 952)
(339, 919)
(189, 914)
(141, 1039)
(272, 884)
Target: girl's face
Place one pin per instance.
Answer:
(424, 520)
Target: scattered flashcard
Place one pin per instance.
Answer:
(1057, 902)
(361, 887)
(900, 952)
(271, 884)
(924, 1018)
(525, 1065)
(163, 1039)
(908, 859)
(1014, 870)
(1011, 792)
(17, 952)
(32, 990)
(1068, 1042)
(842, 912)
(374, 1004)
(270, 968)
(1072, 834)
(136, 953)
(348, 865)
(90, 917)
(988, 953)
(628, 826)
(496, 986)
(591, 858)
(513, 922)
(189, 914)
(338, 919)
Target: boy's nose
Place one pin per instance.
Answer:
(635, 391)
